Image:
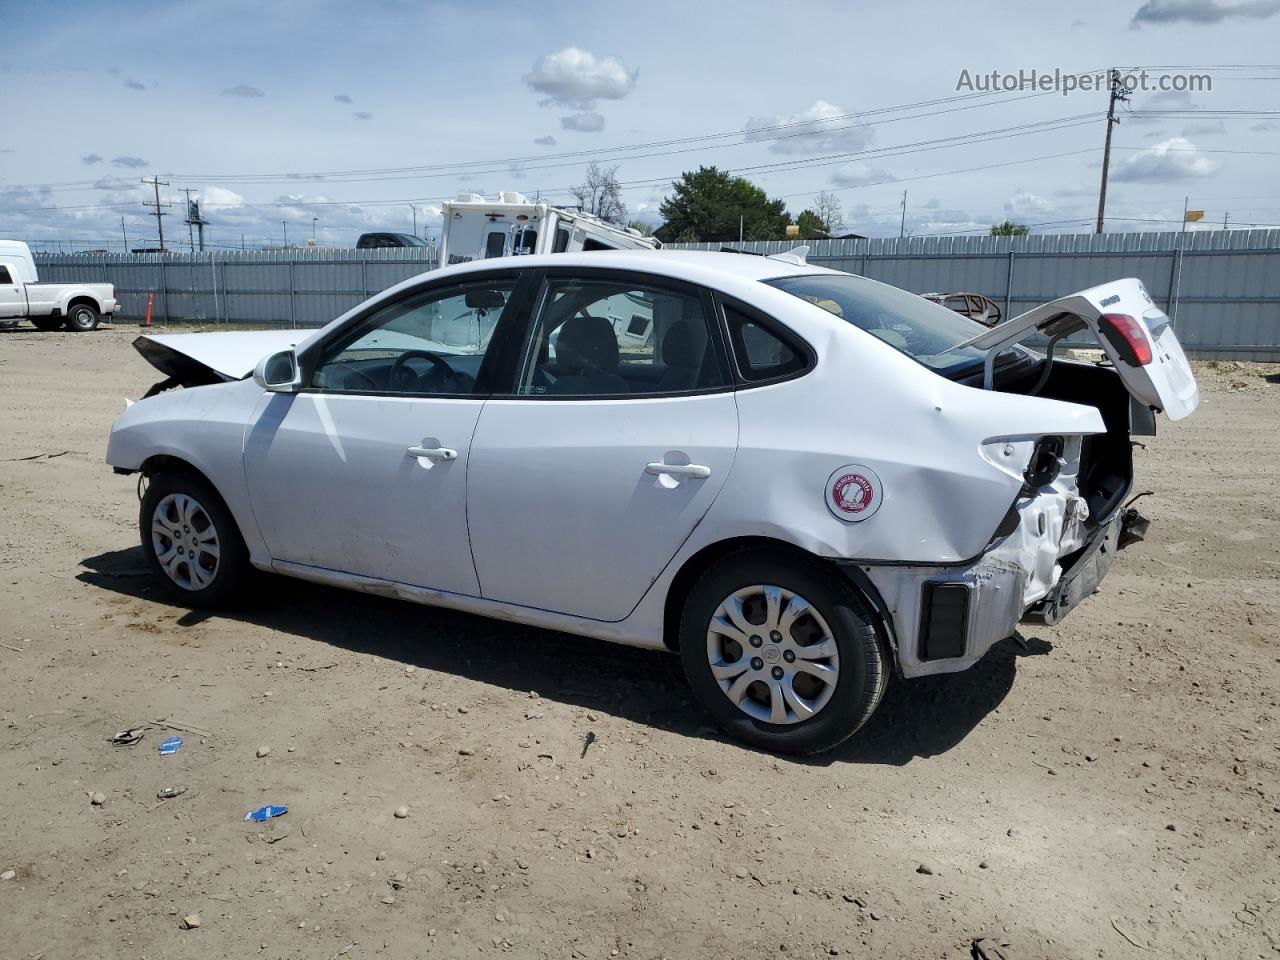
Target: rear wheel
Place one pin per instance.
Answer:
(782, 652)
(191, 541)
(82, 317)
(47, 323)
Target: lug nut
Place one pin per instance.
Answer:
(775, 636)
(755, 640)
(777, 673)
(757, 663)
(789, 656)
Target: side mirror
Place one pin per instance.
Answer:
(278, 372)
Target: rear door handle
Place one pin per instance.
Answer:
(432, 453)
(687, 471)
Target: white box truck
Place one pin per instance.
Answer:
(77, 306)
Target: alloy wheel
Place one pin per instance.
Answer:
(772, 654)
(185, 541)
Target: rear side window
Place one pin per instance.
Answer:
(562, 241)
(592, 244)
(763, 352)
(4, 276)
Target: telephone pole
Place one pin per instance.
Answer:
(125, 234)
(194, 219)
(1117, 94)
(902, 225)
(157, 183)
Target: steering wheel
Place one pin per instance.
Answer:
(395, 378)
(358, 372)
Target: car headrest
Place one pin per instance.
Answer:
(587, 345)
(680, 348)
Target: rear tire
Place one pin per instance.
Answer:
(47, 323)
(82, 318)
(810, 669)
(191, 541)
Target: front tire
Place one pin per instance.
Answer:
(782, 652)
(82, 318)
(191, 541)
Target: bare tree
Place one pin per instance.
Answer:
(601, 195)
(827, 206)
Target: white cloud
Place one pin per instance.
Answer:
(1203, 11)
(577, 78)
(130, 163)
(547, 141)
(860, 175)
(587, 122)
(243, 90)
(818, 129)
(1266, 126)
(363, 115)
(1026, 205)
(1174, 159)
(342, 98)
(134, 84)
(89, 159)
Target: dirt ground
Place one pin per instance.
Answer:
(1110, 791)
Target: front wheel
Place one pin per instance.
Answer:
(782, 652)
(191, 541)
(82, 318)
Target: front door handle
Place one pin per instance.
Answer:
(686, 471)
(432, 453)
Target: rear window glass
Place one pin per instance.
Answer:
(4, 276)
(926, 332)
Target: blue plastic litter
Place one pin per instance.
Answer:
(265, 813)
(172, 745)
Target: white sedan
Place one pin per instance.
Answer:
(799, 479)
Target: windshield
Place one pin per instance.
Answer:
(924, 331)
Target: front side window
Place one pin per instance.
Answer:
(594, 338)
(429, 343)
(927, 332)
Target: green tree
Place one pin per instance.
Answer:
(811, 226)
(705, 206)
(644, 229)
(1010, 229)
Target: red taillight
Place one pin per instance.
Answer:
(1129, 338)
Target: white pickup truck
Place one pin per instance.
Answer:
(77, 306)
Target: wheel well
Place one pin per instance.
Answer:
(703, 560)
(88, 301)
(164, 463)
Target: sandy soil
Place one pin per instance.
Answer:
(1110, 791)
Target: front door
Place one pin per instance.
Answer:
(364, 471)
(622, 431)
(13, 298)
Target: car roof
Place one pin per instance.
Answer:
(686, 264)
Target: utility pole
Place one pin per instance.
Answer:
(415, 218)
(191, 235)
(125, 235)
(1225, 215)
(157, 183)
(902, 226)
(1117, 93)
(285, 224)
(313, 230)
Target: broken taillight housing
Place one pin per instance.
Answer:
(1046, 462)
(1126, 335)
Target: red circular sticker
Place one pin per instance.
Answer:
(853, 493)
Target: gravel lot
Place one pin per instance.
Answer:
(1108, 791)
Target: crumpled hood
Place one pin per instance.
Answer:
(227, 356)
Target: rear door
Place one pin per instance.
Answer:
(586, 481)
(1135, 335)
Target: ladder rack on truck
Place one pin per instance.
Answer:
(478, 229)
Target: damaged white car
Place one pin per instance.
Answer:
(803, 481)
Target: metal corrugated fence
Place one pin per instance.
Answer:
(1221, 287)
(300, 288)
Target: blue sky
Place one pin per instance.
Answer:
(230, 99)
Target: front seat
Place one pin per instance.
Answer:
(683, 357)
(587, 355)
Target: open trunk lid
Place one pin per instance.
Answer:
(1135, 335)
(202, 358)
